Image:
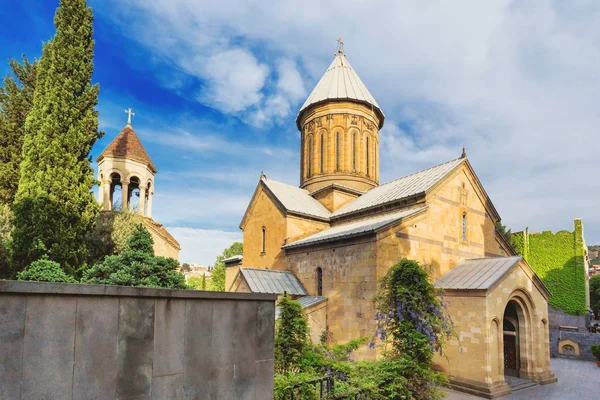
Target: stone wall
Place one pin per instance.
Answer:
(580, 340)
(70, 341)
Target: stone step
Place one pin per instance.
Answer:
(523, 385)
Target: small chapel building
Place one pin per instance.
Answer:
(329, 241)
(125, 168)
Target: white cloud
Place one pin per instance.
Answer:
(235, 79)
(515, 82)
(202, 246)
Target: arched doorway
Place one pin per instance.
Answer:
(510, 327)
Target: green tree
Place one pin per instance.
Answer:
(197, 283)
(595, 293)
(110, 234)
(45, 271)
(54, 206)
(6, 228)
(185, 267)
(291, 334)
(16, 100)
(137, 265)
(505, 232)
(413, 324)
(217, 278)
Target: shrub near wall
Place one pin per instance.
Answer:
(559, 260)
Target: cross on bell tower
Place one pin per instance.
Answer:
(129, 113)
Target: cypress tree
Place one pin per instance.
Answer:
(54, 206)
(16, 99)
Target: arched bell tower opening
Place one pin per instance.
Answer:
(339, 125)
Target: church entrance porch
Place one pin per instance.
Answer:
(499, 308)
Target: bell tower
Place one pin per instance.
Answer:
(339, 125)
(126, 165)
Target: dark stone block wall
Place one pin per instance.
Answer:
(68, 341)
(583, 338)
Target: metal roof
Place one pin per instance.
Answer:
(401, 188)
(478, 273)
(356, 228)
(271, 281)
(237, 257)
(305, 302)
(340, 82)
(296, 199)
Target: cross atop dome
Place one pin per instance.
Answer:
(340, 45)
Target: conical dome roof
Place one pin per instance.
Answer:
(340, 82)
(127, 145)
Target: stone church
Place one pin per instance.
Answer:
(328, 242)
(125, 166)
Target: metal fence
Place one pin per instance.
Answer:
(325, 388)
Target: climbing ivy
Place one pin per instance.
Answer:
(558, 259)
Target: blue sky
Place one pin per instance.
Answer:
(216, 87)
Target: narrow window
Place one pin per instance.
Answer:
(319, 282)
(354, 152)
(464, 227)
(337, 151)
(322, 153)
(375, 165)
(367, 156)
(264, 240)
(310, 156)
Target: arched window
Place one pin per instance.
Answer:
(310, 156)
(264, 240)
(464, 227)
(367, 157)
(322, 153)
(319, 282)
(337, 151)
(354, 152)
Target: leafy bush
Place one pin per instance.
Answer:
(412, 325)
(44, 271)
(291, 333)
(596, 351)
(137, 266)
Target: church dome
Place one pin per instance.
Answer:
(340, 82)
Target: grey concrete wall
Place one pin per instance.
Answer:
(69, 341)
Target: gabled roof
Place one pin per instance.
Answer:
(355, 229)
(477, 273)
(296, 200)
(127, 145)
(340, 82)
(272, 281)
(305, 302)
(405, 187)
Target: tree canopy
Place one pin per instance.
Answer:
(217, 278)
(54, 207)
(137, 265)
(16, 100)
